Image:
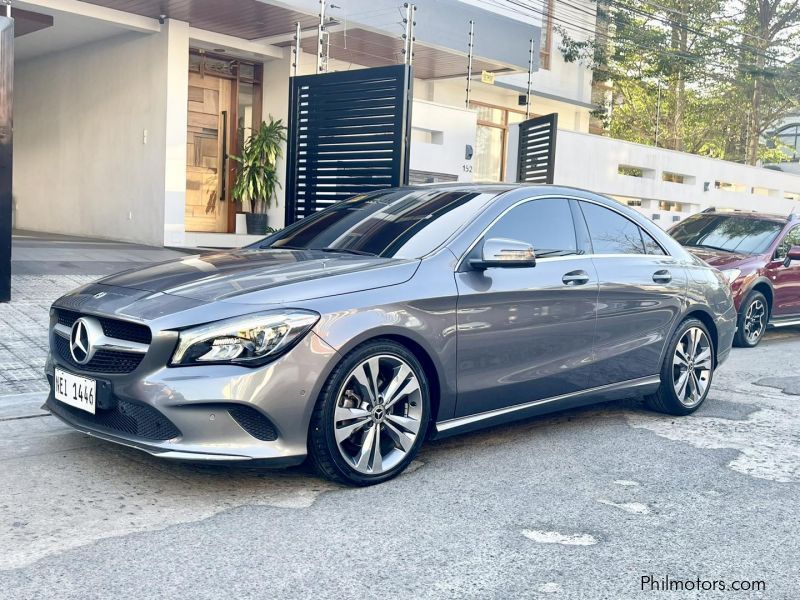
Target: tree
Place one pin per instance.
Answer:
(771, 31)
(704, 76)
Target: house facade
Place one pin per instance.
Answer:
(125, 110)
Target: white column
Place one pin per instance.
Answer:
(276, 103)
(176, 50)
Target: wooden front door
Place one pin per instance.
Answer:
(209, 139)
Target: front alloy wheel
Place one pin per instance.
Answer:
(372, 415)
(752, 321)
(378, 414)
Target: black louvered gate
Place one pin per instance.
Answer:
(348, 134)
(537, 149)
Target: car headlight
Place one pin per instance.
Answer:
(731, 275)
(249, 340)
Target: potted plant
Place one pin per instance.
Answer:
(257, 175)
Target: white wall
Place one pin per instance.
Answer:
(450, 131)
(81, 164)
(452, 92)
(175, 54)
(592, 162)
(276, 103)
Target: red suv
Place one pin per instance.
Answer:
(759, 254)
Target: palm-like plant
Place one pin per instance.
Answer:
(257, 176)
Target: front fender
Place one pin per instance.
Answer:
(420, 312)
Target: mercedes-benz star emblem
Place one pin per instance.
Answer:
(79, 345)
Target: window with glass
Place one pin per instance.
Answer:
(390, 224)
(610, 232)
(545, 224)
(492, 140)
(792, 239)
(728, 233)
(790, 136)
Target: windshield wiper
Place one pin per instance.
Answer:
(347, 251)
(712, 248)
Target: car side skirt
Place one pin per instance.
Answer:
(786, 322)
(603, 393)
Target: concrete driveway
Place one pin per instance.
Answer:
(583, 504)
(580, 505)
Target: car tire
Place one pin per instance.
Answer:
(378, 392)
(752, 320)
(686, 372)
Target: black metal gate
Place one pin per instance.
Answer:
(348, 134)
(6, 106)
(537, 149)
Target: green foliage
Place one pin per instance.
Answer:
(257, 175)
(703, 76)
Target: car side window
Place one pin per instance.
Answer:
(651, 246)
(610, 232)
(792, 239)
(545, 224)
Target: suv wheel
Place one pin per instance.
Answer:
(752, 320)
(687, 370)
(372, 415)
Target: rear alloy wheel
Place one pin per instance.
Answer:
(752, 321)
(372, 415)
(687, 370)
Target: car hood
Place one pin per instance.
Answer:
(719, 258)
(266, 276)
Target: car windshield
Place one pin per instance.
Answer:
(397, 223)
(729, 233)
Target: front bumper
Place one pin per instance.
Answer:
(197, 400)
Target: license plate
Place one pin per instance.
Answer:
(80, 392)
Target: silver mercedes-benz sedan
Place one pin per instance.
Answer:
(356, 333)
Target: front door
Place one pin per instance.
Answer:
(786, 278)
(209, 141)
(527, 333)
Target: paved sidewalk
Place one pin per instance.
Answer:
(53, 254)
(43, 268)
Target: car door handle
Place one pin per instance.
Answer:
(662, 276)
(575, 278)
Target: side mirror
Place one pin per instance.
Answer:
(793, 254)
(501, 252)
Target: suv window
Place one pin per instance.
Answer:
(792, 239)
(545, 224)
(610, 232)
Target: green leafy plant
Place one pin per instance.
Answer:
(257, 176)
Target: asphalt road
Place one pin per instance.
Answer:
(578, 505)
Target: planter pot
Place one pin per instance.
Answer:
(256, 224)
(241, 223)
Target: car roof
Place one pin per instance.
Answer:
(748, 215)
(500, 188)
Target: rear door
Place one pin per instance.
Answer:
(641, 293)
(527, 333)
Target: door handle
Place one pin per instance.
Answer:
(662, 276)
(223, 193)
(575, 278)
